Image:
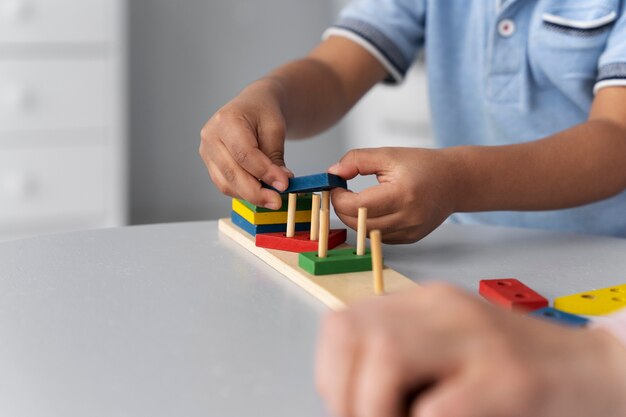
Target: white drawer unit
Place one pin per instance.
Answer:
(36, 184)
(56, 21)
(36, 95)
(62, 115)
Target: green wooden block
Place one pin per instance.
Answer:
(304, 202)
(338, 261)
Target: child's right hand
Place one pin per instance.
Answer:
(244, 142)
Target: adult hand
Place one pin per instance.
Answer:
(470, 360)
(244, 143)
(417, 191)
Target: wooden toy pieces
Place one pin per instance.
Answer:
(336, 291)
(594, 303)
(338, 261)
(313, 183)
(258, 220)
(560, 317)
(511, 294)
(258, 229)
(377, 262)
(334, 273)
(273, 217)
(293, 241)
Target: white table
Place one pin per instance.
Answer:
(177, 320)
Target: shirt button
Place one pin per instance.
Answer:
(506, 28)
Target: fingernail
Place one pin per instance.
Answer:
(279, 186)
(273, 206)
(333, 168)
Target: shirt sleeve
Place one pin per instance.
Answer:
(391, 30)
(614, 324)
(612, 63)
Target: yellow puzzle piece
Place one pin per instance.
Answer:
(593, 303)
(274, 217)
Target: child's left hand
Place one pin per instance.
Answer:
(475, 361)
(417, 190)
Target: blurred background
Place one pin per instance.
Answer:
(102, 102)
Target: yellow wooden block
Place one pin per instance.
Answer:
(275, 217)
(593, 303)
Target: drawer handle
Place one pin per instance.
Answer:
(14, 9)
(18, 185)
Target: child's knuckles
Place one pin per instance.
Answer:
(338, 326)
(229, 174)
(223, 188)
(241, 155)
(205, 132)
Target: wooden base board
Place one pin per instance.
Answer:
(336, 291)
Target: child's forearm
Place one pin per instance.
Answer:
(315, 92)
(581, 165)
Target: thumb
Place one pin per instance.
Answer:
(359, 162)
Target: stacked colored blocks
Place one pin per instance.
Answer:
(258, 229)
(300, 242)
(272, 217)
(338, 261)
(259, 220)
(303, 203)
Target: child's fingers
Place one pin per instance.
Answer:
(389, 223)
(360, 161)
(242, 144)
(380, 200)
(336, 358)
(233, 179)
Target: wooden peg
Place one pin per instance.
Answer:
(326, 200)
(322, 246)
(291, 215)
(361, 232)
(377, 262)
(315, 217)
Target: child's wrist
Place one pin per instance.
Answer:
(462, 183)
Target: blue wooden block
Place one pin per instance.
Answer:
(265, 228)
(560, 317)
(313, 183)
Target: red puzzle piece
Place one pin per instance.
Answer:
(511, 294)
(300, 242)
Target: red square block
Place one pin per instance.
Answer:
(511, 294)
(300, 242)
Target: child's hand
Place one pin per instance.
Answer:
(417, 191)
(244, 143)
(472, 359)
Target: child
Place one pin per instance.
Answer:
(529, 109)
(528, 105)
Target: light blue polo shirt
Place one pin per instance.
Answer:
(503, 72)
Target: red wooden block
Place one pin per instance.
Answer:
(511, 294)
(300, 242)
